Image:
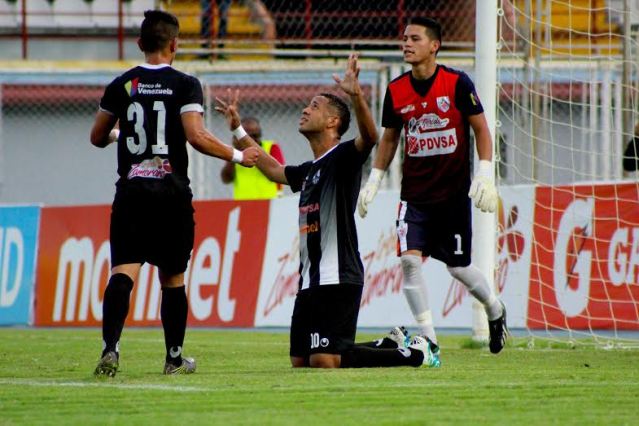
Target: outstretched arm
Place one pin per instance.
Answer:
(268, 165)
(367, 137)
(205, 142)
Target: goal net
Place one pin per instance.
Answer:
(568, 224)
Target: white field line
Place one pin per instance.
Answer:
(223, 388)
(142, 386)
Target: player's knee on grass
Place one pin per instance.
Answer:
(299, 362)
(325, 361)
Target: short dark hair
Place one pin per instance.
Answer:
(342, 110)
(433, 29)
(157, 30)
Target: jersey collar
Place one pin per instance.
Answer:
(325, 154)
(154, 66)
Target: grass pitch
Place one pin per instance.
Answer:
(244, 378)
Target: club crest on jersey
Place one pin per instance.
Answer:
(131, 87)
(443, 103)
(407, 109)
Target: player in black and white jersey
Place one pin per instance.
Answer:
(331, 273)
(158, 109)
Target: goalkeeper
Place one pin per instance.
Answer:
(435, 106)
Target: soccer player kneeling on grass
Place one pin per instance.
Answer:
(331, 280)
(158, 109)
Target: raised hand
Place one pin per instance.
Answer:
(229, 108)
(350, 83)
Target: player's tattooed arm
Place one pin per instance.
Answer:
(102, 132)
(269, 166)
(350, 85)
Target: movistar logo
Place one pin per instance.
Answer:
(131, 87)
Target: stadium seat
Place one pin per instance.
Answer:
(580, 27)
(241, 25)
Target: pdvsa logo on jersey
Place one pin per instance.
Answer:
(131, 87)
(443, 103)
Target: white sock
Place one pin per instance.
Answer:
(477, 285)
(417, 295)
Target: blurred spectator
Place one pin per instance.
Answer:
(251, 184)
(205, 19)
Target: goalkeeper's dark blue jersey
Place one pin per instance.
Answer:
(148, 101)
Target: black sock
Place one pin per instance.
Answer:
(363, 356)
(174, 310)
(384, 343)
(115, 308)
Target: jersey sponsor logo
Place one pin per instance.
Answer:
(310, 228)
(316, 177)
(426, 122)
(443, 103)
(432, 143)
(407, 108)
(155, 168)
(310, 208)
(131, 87)
(424, 104)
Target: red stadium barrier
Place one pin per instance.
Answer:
(584, 258)
(222, 279)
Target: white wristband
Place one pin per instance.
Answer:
(238, 156)
(114, 134)
(239, 132)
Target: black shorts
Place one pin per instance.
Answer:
(442, 230)
(152, 226)
(325, 319)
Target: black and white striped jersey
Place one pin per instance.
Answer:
(329, 188)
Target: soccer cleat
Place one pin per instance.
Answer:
(187, 367)
(424, 345)
(108, 365)
(434, 350)
(397, 336)
(498, 332)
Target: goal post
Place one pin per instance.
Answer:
(486, 83)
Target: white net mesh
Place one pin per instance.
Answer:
(567, 104)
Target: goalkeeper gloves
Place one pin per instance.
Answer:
(367, 194)
(482, 190)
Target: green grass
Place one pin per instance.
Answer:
(244, 378)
